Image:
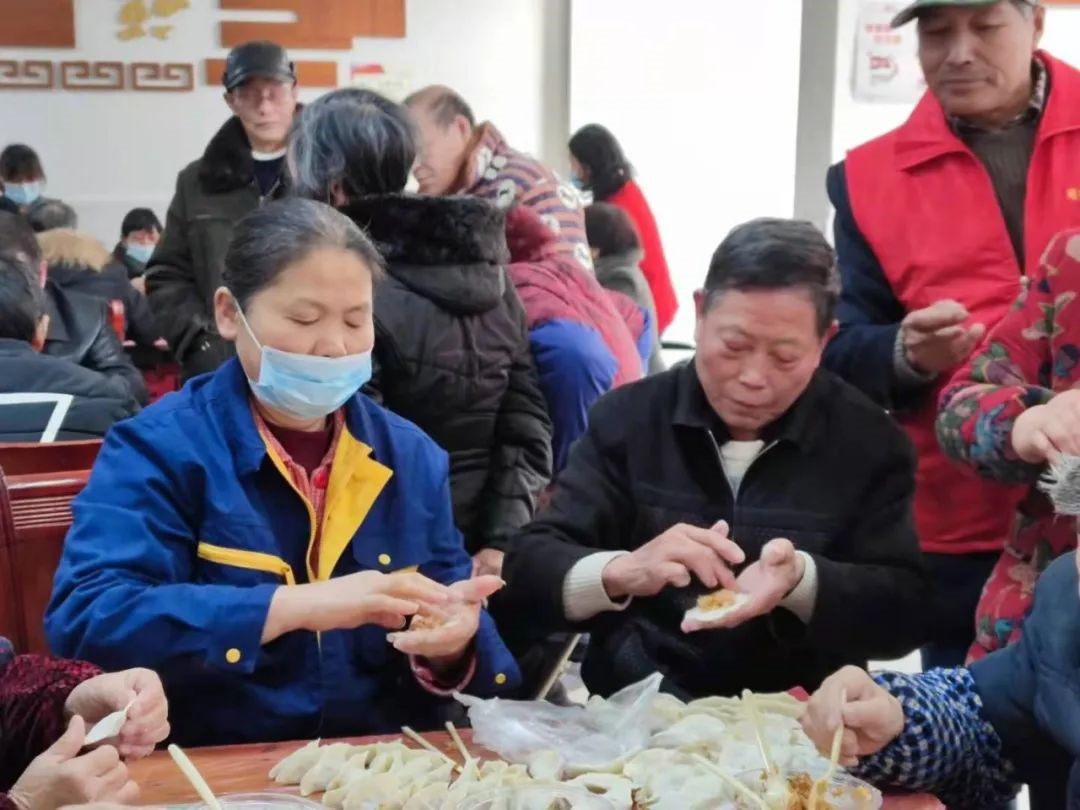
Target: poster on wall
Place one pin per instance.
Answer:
(886, 64)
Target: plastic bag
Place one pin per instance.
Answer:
(597, 737)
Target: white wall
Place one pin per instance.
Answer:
(106, 152)
(857, 121)
(704, 98)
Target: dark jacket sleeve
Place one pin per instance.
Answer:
(591, 510)
(106, 354)
(141, 324)
(869, 312)
(170, 282)
(521, 458)
(881, 569)
(33, 691)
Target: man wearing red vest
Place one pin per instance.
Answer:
(936, 223)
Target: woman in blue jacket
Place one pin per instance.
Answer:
(254, 537)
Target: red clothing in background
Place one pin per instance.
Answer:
(654, 266)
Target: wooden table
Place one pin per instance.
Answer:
(244, 769)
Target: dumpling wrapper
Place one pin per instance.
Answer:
(428, 797)
(616, 789)
(330, 762)
(292, 769)
(380, 789)
(546, 766)
(108, 727)
(356, 763)
(695, 731)
(707, 617)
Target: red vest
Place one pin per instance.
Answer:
(926, 206)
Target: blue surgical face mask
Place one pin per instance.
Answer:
(303, 385)
(23, 193)
(139, 252)
(577, 182)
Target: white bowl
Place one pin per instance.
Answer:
(261, 801)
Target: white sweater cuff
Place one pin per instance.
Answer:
(583, 589)
(803, 596)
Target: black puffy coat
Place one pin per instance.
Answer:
(212, 195)
(97, 400)
(79, 263)
(452, 354)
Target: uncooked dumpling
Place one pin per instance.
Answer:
(694, 731)
(322, 773)
(616, 789)
(292, 769)
(546, 766)
(356, 763)
(380, 789)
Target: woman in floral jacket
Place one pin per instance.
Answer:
(1008, 413)
(40, 763)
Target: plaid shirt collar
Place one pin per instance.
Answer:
(1040, 89)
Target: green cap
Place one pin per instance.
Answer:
(913, 11)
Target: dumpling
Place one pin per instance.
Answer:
(546, 766)
(665, 710)
(429, 797)
(292, 769)
(695, 731)
(381, 789)
(322, 773)
(356, 763)
(616, 789)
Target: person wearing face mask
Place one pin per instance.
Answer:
(280, 529)
(452, 351)
(925, 276)
(21, 175)
(243, 167)
(140, 233)
(746, 469)
(600, 167)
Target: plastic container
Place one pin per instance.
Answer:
(844, 792)
(261, 801)
(537, 797)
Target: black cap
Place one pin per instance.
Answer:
(257, 59)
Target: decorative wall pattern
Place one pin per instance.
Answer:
(80, 75)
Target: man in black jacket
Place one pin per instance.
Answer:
(244, 164)
(44, 397)
(750, 469)
(80, 327)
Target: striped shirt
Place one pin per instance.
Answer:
(507, 177)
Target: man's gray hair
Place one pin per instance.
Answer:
(22, 301)
(48, 215)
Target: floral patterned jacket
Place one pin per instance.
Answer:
(1031, 355)
(33, 690)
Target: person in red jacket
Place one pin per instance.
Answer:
(599, 165)
(42, 765)
(936, 224)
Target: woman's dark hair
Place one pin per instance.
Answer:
(610, 230)
(351, 139)
(139, 219)
(596, 149)
(282, 233)
(776, 254)
(20, 164)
